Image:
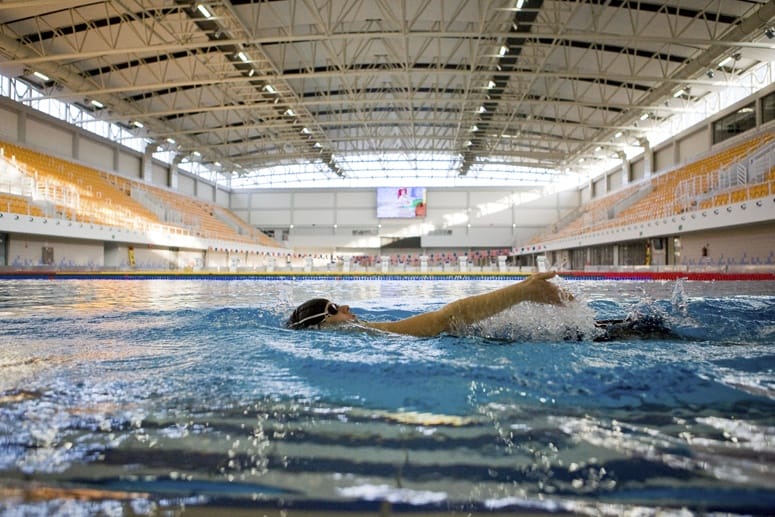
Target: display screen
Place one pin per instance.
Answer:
(400, 202)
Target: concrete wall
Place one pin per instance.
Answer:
(456, 218)
(750, 245)
(25, 251)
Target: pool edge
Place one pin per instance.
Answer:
(312, 275)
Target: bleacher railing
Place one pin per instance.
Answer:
(752, 170)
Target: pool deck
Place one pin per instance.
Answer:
(643, 276)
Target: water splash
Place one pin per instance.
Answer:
(678, 298)
(531, 322)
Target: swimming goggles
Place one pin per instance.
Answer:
(331, 310)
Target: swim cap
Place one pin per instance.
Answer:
(308, 314)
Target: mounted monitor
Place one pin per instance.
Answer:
(400, 202)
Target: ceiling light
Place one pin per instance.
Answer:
(726, 61)
(290, 113)
(41, 76)
(679, 93)
(97, 104)
(770, 32)
(170, 140)
(482, 109)
(242, 56)
(204, 11)
(270, 88)
(644, 116)
(618, 134)
(503, 50)
(491, 85)
(474, 128)
(710, 74)
(305, 131)
(252, 72)
(137, 123)
(520, 4)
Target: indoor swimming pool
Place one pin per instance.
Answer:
(125, 397)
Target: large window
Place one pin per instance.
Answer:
(735, 123)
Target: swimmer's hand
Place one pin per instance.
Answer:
(539, 290)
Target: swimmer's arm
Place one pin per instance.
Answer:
(422, 325)
(477, 308)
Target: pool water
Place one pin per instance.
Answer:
(140, 396)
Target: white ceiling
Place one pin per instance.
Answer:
(390, 89)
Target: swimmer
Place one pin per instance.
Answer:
(321, 313)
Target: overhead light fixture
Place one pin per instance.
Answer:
(271, 89)
(710, 74)
(41, 76)
(252, 72)
(644, 116)
(474, 128)
(242, 56)
(305, 131)
(170, 140)
(503, 50)
(97, 104)
(770, 32)
(679, 93)
(290, 113)
(726, 61)
(202, 8)
(137, 124)
(482, 109)
(491, 85)
(618, 134)
(317, 145)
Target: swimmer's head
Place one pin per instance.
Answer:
(315, 312)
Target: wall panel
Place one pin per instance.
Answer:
(98, 155)
(271, 218)
(356, 216)
(54, 139)
(262, 200)
(361, 198)
(694, 144)
(186, 185)
(313, 217)
(324, 199)
(129, 165)
(205, 191)
(239, 200)
(222, 197)
(159, 175)
(9, 129)
(447, 199)
(664, 157)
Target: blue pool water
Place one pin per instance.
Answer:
(127, 397)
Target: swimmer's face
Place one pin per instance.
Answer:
(341, 315)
